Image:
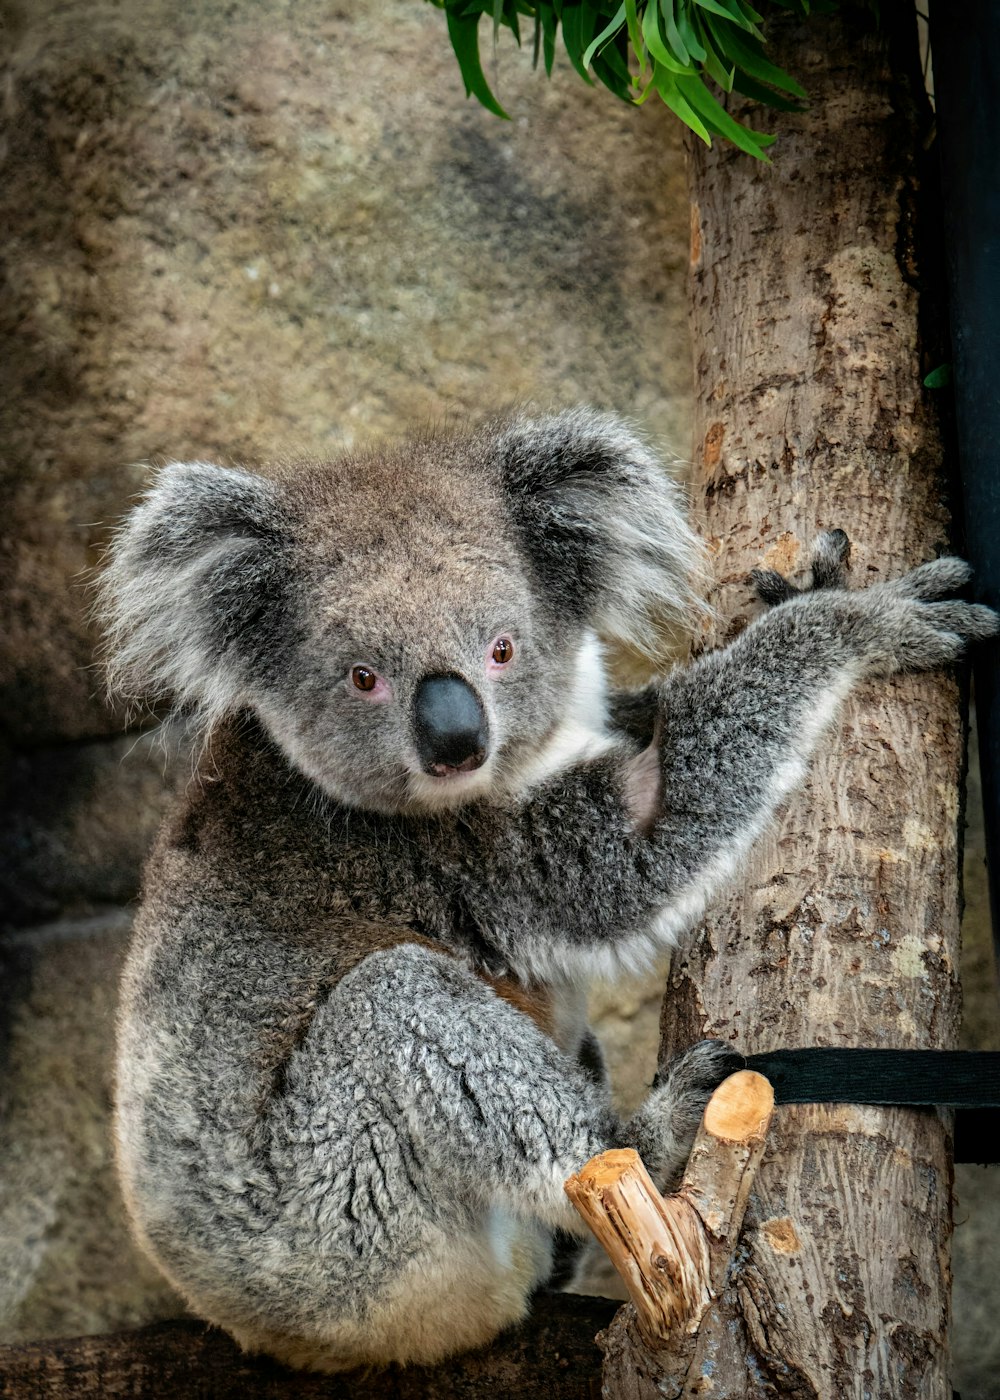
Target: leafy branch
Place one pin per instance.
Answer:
(673, 48)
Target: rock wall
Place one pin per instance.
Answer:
(236, 232)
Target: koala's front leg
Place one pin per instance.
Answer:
(602, 864)
(738, 728)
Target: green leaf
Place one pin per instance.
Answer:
(654, 42)
(691, 36)
(727, 9)
(605, 36)
(750, 88)
(671, 33)
(717, 119)
(748, 55)
(611, 67)
(549, 24)
(635, 35)
(592, 16)
(938, 378)
(464, 35)
(666, 85)
(715, 65)
(572, 28)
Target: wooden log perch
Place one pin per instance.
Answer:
(672, 1252)
(550, 1353)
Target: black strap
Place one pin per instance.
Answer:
(966, 1080)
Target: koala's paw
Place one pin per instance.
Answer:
(828, 558)
(908, 624)
(664, 1127)
(911, 624)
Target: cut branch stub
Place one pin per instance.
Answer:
(672, 1252)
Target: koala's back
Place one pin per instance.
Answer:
(305, 1218)
(313, 1218)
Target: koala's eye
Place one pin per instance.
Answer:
(503, 651)
(364, 679)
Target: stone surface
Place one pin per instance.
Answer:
(273, 230)
(76, 822)
(68, 1264)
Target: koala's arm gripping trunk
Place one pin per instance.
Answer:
(737, 731)
(570, 880)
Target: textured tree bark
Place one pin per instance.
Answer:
(844, 928)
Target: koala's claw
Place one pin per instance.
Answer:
(693, 1076)
(929, 635)
(703, 1066)
(771, 587)
(913, 623)
(664, 1128)
(830, 553)
(828, 557)
(968, 622)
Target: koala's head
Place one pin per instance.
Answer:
(409, 623)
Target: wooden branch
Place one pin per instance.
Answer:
(673, 1252)
(552, 1353)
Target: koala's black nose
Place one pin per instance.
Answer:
(450, 725)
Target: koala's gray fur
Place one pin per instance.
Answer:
(350, 1072)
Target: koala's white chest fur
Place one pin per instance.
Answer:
(583, 732)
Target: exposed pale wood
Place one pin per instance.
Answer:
(672, 1251)
(657, 1243)
(551, 1354)
(741, 1108)
(844, 927)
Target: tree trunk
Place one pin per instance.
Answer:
(844, 927)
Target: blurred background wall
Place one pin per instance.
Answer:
(242, 231)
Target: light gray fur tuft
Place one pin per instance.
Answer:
(198, 531)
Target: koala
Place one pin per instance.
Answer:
(353, 1067)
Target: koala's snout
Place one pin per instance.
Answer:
(450, 726)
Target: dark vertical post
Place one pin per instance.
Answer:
(965, 44)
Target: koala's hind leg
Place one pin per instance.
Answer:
(496, 1115)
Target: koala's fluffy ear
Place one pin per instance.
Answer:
(602, 522)
(192, 587)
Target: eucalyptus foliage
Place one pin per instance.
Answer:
(673, 48)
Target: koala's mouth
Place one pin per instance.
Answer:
(438, 786)
(453, 770)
